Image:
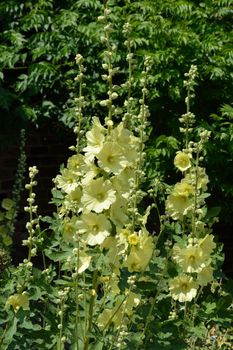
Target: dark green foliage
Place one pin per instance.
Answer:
(40, 38)
(220, 158)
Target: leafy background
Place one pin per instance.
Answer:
(38, 43)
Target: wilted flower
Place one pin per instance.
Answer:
(205, 276)
(115, 315)
(207, 244)
(69, 229)
(140, 254)
(18, 301)
(7, 203)
(118, 212)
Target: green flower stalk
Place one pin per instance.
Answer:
(10, 206)
(33, 224)
(79, 101)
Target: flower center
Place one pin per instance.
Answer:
(192, 258)
(95, 228)
(110, 159)
(184, 286)
(100, 196)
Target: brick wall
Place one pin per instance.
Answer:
(44, 148)
(47, 148)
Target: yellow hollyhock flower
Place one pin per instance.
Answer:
(183, 189)
(90, 172)
(127, 141)
(179, 202)
(67, 180)
(76, 164)
(18, 301)
(84, 262)
(98, 195)
(133, 239)
(205, 276)
(178, 206)
(96, 227)
(118, 212)
(70, 229)
(95, 139)
(183, 288)
(182, 161)
(121, 182)
(207, 244)
(111, 158)
(116, 314)
(191, 258)
(72, 200)
(140, 254)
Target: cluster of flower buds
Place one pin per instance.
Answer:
(33, 224)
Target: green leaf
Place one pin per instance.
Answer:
(212, 212)
(10, 332)
(57, 256)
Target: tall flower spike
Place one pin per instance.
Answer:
(33, 223)
(188, 118)
(79, 100)
(108, 67)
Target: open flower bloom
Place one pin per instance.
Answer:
(182, 161)
(95, 139)
(126, 141)
(183, 189)
(183, 288)
(96, 227)
(18, 301)
(178, 206)
(191, 258)
(111, 158)
(98, 195)
(76, 163)
(67, 180)
(179, 202)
